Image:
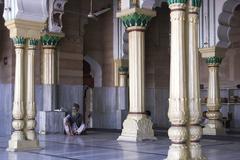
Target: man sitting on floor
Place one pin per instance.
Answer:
(73, 122)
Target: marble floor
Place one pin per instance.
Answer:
(103, 146)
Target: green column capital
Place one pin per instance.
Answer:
(214, 60)
(177, 1)
(19, 40)
(123, 69)
(136, 17)
(33, 42)
(50, 40)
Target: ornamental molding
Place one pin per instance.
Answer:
(212, 52)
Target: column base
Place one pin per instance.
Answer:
(22, 145)
(196, 151)
(178, 152)
(213, 131)
(136, 128)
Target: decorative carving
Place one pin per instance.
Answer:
(56, 10)
(176, 1)
(137, 128)
(178, 152)
(178, 134)
(50, 40)
(214, 60)
(136, 19)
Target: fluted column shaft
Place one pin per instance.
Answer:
(48, 67)
(18, 104)
(178, 104)
(31, 106)
(136, 69)
(49, 43)
(194, 103)
(214, 125)
(137, 126)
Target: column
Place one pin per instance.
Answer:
(18, 105)
(214, 125)
(49, 116)
(178, 104)
(194, 103)
(137, 126)
(123, 76)
(49, 43)
(24, 109)
(30, 94)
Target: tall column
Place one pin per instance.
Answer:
(214, 125)
(194, 103)
(31, 106)
(137, 126)
(178, 104)
(24, 109)
(213, 56)
(18, 105)
(49, 43)
(49, 116)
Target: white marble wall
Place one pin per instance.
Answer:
(109, 107)
(6, 99)
(157, 103)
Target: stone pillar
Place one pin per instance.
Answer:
(18, 105)
(24, 109)
(30, 94)
(123, 76)
(49, 43)
(194, 102)
(137, 126)
(49, 118)
(178, 104)
(213, 58)
(214, 125)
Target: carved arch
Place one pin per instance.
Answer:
(229, 25)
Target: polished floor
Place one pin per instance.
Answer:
(103, 146)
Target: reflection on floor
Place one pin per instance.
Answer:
(103, 146)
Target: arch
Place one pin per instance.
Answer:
(96, 71)
(229, 25)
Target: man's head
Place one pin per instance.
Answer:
(75, 108)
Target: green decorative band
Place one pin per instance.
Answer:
(136, 19)
(123, 69)
(33, 42)
(177, 1)
(196, 3)
(50, 40)
(19, 40)
(214, 60)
